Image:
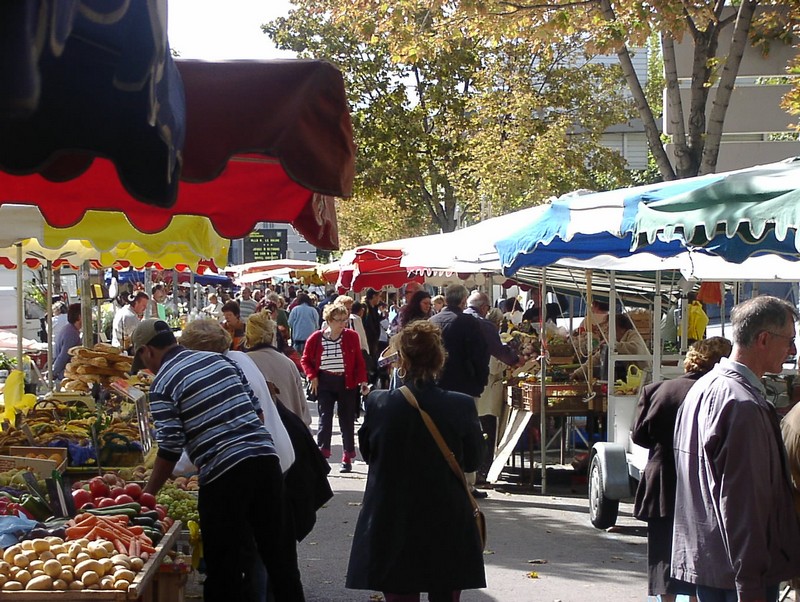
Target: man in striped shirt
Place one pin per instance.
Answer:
(201, 402)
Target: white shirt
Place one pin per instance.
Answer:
(125, 322)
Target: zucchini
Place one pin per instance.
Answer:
(130, 510)
(143, 521)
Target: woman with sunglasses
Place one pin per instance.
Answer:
(334, 365)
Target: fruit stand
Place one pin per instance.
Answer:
(79, 457)
(150, 583)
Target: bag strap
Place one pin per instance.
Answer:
(437, 436)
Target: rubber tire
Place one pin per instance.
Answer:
(603, 511)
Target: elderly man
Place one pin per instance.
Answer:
(478, 306)
(736, 534)
(201, 403)
(466, 368)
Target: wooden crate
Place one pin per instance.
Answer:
(531, 396)
(514, 396)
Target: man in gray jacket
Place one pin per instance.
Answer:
(736, 534)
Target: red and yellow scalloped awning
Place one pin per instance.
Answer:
(108, 239)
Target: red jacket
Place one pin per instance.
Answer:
(355, 370)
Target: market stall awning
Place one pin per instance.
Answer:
(108, 239)
(581, 226)
(738, 214)
(270, 264)
(265, 141)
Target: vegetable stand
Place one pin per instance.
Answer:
(150, 584)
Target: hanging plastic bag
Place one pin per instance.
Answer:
(698, 320)
(14, 397)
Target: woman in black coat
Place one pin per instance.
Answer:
(653, 429)
(416, 532)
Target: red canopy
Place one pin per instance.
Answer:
(375, 268)
(265, 141)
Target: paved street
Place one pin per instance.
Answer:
(575, 562)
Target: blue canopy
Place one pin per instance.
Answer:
(204, 279)
(582, 226)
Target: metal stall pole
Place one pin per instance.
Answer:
(20, 304)
(51, 382)
(657, 330)
(148, 288)
(543, 389)
(86, 305)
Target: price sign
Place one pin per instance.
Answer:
(265, 244)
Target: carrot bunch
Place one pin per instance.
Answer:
(127, 539)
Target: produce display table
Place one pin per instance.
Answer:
(564, 402)
(147, 587)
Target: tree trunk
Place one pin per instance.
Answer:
(727, 82)
(640, 100)
(676, 116)
(705, 46)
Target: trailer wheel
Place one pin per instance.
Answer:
(602, 510)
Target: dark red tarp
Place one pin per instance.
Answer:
(265, 141)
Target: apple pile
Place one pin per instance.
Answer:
(109, 490)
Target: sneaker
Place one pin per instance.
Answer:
(346, 467)
(479, 495)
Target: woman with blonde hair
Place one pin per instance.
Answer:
(276, 367)
(653, 429)
(416, 531)
(333, 362)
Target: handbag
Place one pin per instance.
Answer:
(480, 519)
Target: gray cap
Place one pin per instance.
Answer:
(147, 330)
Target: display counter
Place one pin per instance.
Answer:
(564, 403)
(150, 584)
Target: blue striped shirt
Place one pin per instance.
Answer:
(201, 402)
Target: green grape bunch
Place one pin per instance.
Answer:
(181, 505)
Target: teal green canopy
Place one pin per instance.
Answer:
(749, 212)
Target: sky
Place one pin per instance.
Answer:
(214, 30)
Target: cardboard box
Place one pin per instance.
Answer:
(17, 459)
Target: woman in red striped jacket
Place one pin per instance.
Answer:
(334, 365)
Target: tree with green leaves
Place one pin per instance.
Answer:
(462, 128)
(605, 26)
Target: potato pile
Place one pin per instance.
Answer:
(52, 564)
(100, 364)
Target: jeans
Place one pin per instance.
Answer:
(299, 345)
(714, 594)
(330, 391)
(241, 508)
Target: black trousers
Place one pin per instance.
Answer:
(246, 505)
(489, 428)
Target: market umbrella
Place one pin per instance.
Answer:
(108, 239)
(373, 267)
(747, 212)
(265, 141)
(84, 78)
(583, 225)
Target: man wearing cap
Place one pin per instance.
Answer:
(201, 403)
